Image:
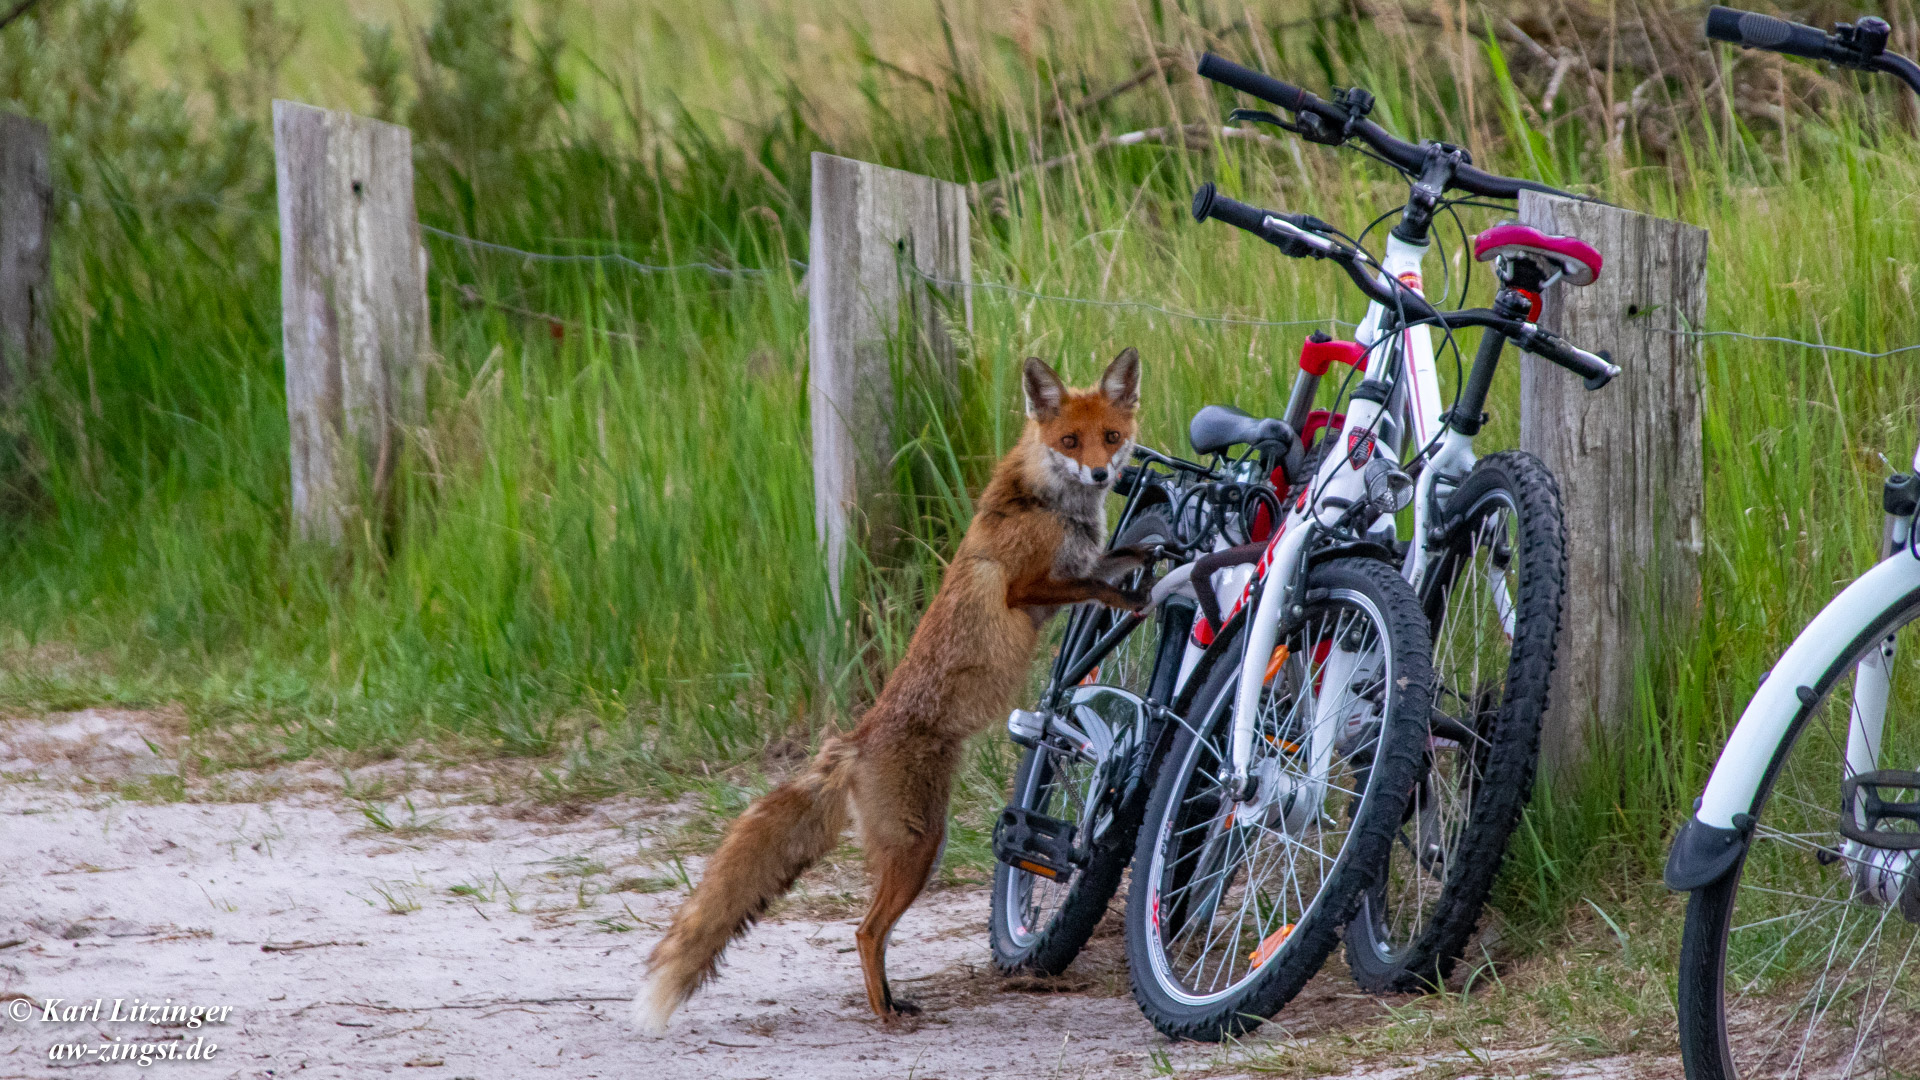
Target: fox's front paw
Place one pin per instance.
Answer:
(1135, 599)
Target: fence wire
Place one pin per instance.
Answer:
(1817, 345)
(1081, 301)
(604, 257)
(639, 266)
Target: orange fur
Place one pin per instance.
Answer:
(1035, 544)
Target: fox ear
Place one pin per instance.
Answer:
(1121, 383)
(1044, 389)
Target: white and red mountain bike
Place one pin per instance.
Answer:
(1801, 955)
(1486, 553)
(1309, 773)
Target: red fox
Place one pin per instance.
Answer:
(1035, 545)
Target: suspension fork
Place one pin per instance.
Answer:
(1873, 676)
(1286, 565)
(1879, 875)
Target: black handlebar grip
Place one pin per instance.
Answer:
(1258, 83)
(1757, 31)
(1209, 203)
(1596, 369)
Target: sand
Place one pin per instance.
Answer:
(465, 937)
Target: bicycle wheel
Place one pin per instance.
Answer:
(1804, 959)
(1038, 924)
(1235, 904)
(1492, 595)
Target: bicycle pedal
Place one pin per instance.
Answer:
(1034, 842)
(1869, 816)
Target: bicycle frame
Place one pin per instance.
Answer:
(1421, 408)
(1404, 400)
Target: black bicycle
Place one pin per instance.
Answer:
(1066, 835)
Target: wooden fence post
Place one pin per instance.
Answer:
(353, 296)
(1627, 457)
(26, 282)
(875, 232)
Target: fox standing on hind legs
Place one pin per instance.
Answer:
(1035, 545)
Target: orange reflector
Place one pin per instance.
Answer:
(1092, 677)
(1271, 945)
(1280, 655)
(1045, 872)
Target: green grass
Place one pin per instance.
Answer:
(607, 557)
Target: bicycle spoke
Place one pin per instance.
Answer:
(1225, 890)
(1820, 968)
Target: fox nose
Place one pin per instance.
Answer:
(1099, 476)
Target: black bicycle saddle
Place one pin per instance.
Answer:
(1217, 427)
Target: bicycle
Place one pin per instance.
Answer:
(1248, 736)
(1102, 723)
(1326, 777)
(1101, 759)
(1063, 841)
(1486, 553)
(1803, 920)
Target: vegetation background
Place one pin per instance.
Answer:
(607, 562)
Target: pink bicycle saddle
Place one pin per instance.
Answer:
(1572, 255)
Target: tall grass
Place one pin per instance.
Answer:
(607, 542)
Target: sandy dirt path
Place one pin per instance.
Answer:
(469, 939)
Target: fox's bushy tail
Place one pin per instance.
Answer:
(785, 831)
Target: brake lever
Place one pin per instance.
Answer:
(1309, 127)
(1309, 242)
(1261, 116)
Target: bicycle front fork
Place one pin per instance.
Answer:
(1883, 867)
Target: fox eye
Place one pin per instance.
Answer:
(1070, 441)
(1113, 438)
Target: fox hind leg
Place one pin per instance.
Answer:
(901, 869)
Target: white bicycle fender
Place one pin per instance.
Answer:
(1711, 843)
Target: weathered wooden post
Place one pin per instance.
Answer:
(878, 234)
(353, 296)
(26, 280)
(1627, 457)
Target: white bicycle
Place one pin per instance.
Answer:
(1321, 781)
(1802, 938)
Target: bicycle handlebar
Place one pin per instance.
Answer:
(1267, 88)
(1296, 235)
(1299, 239)
(1403, 155)
(1757, 31)
(1596, 369)
(1859, 44)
